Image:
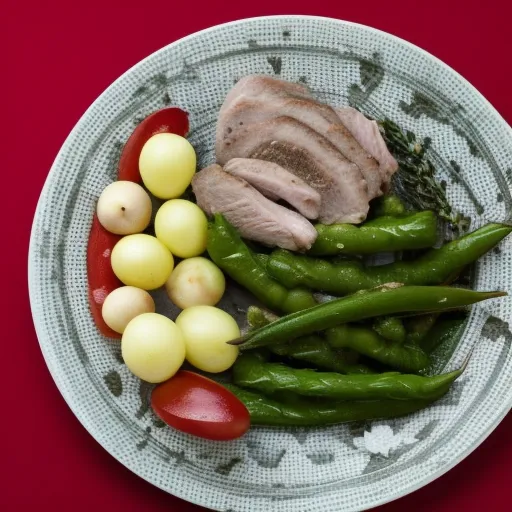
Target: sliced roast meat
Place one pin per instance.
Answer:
(367, 133)
(260, 99)
(340, 183)
(256, 217)
(252, 86)
(275, 182)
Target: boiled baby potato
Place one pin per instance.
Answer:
(153, 347)
(167, 164)
(124, 304)
(124, 208)
(206, 330)
(142, 261)
(182, 226)
(196, 282)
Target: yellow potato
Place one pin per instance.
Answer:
(182, 226)
(152, 347)
(124, 304)
(206, 330)
(142, 261)
(196, 282)
(167, 164)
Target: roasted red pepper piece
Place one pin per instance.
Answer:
(167, 120)
(101, 277)
(200, 406)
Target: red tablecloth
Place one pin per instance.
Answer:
(58, 61)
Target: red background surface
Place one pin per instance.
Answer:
(59, 60)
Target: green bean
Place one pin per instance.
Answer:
(359, 307)
(390, 328)
(418, 327)
(250, 372)
(315, 350)
(406, 357)
(259, 317)
(304, 412)
(231, 254)
(261, 258)
(387, 206)
(343, 277)
(441, 333)
(413, 231)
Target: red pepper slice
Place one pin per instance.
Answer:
(200, 406)
(101, 277)
(167, 120)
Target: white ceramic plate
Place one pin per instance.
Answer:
(348, 467)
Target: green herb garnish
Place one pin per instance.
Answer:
(415, 182)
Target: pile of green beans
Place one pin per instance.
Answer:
(341, 360)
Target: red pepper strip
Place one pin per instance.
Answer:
(101, 277)
(167, 120)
